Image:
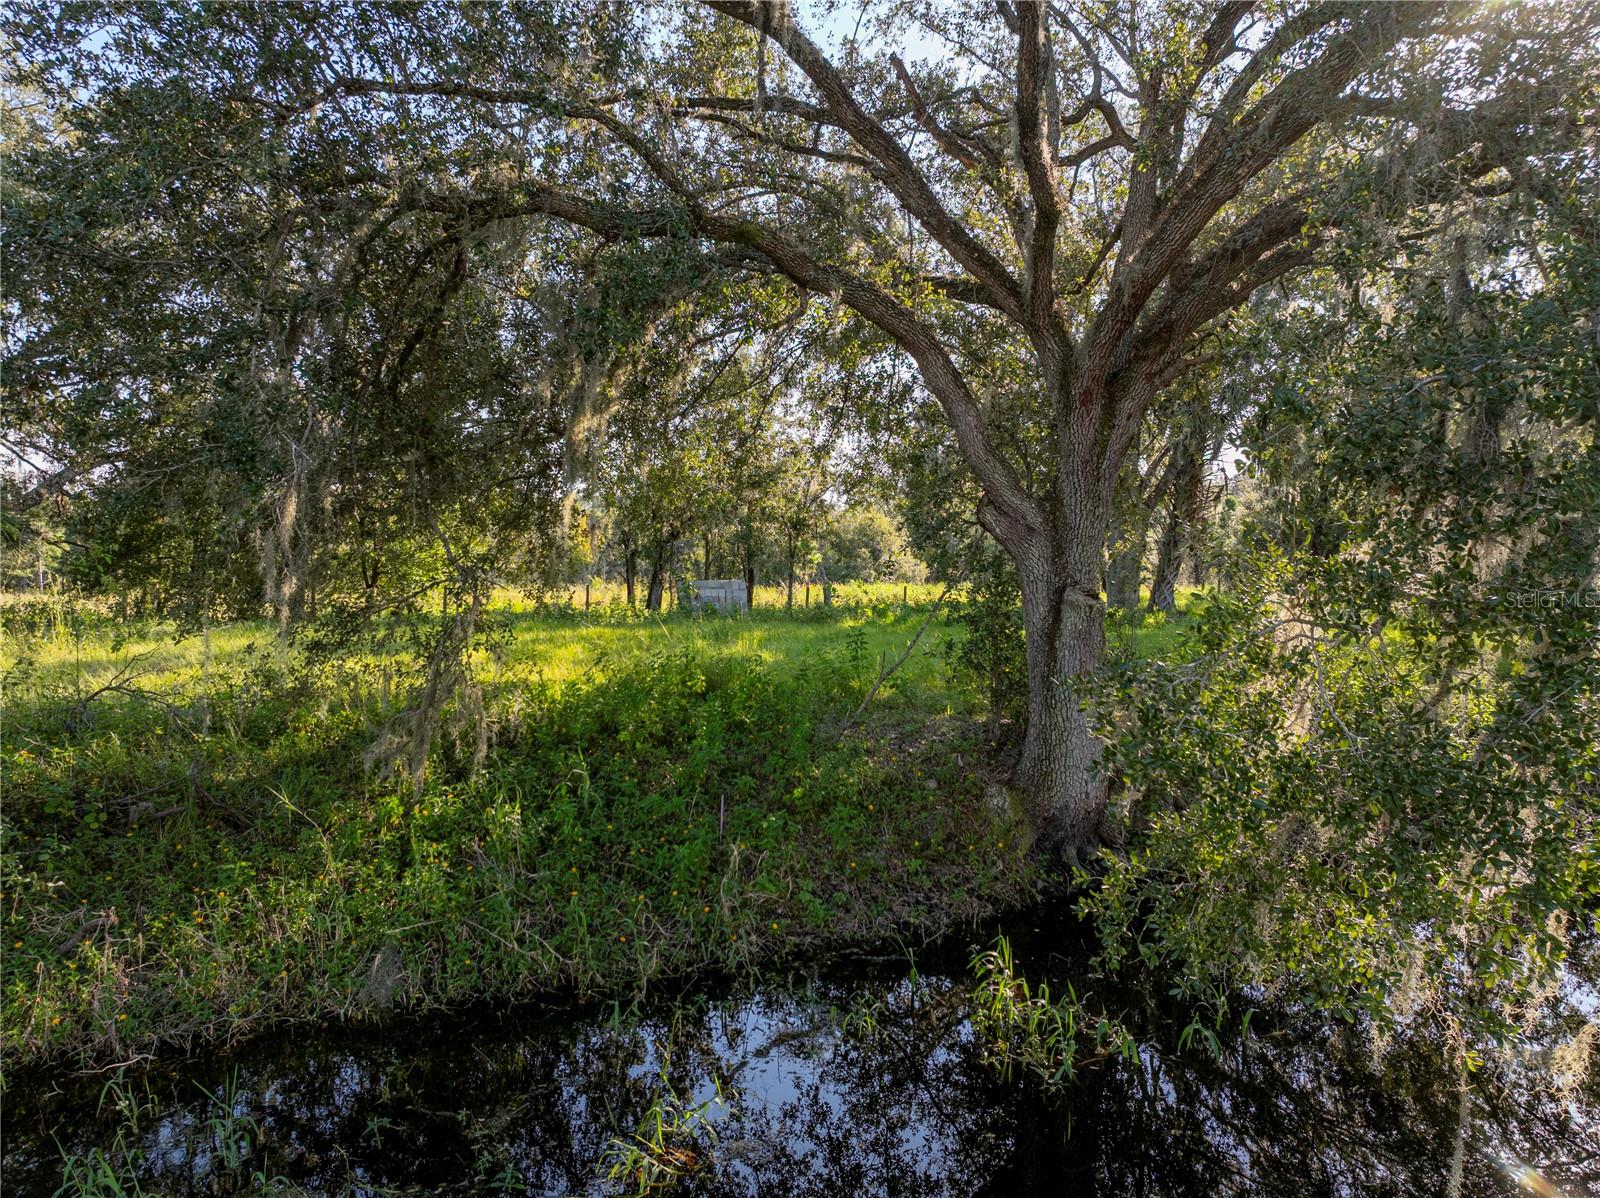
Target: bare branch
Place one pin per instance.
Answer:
(973, 153)
(900, 173)
(1033, 64)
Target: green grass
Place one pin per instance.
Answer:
(767, 595)
(1154, 634)
(199, 852)
(193, 848)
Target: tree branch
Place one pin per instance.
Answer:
(1033, 64)
(975, 154)
(1297, 104)
(900, 173)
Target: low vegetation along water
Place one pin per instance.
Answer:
(876, 1076)
(623, 950)
(197, 847)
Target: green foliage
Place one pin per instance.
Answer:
(202, 854)
(989, 657)
(1369, 778)
(865, 543)
(1305, 821)
(1362, 780)
(1380, 752)
(273, 397)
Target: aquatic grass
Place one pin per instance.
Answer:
(674, 1140)
(112, 1171)
(1050, 1036)
(217, 1150)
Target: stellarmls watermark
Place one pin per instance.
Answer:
(1553, 599)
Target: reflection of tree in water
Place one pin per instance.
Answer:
(907, 1107)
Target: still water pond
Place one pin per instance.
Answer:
(866, 1079)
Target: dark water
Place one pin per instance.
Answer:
(865, 1080)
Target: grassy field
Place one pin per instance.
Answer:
(195, 846)
(767, 596)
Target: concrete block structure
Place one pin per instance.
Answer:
(728, 595)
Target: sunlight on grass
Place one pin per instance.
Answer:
(549, 644)
(196, 845)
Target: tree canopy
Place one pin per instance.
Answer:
(291, 286)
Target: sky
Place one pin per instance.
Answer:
(831, 22)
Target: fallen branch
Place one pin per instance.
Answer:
(889, 670)
(88, 928)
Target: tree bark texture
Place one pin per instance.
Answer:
(1063, 619)
(1164, 581)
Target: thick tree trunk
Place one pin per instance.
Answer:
(705, 567)
(1125, 570)
(1063, 617)
(1130, 529)
(658, 578)
(630, 569)
(1164, 582)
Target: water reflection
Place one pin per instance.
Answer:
(870, 1082)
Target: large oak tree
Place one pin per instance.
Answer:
(1091, 186)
